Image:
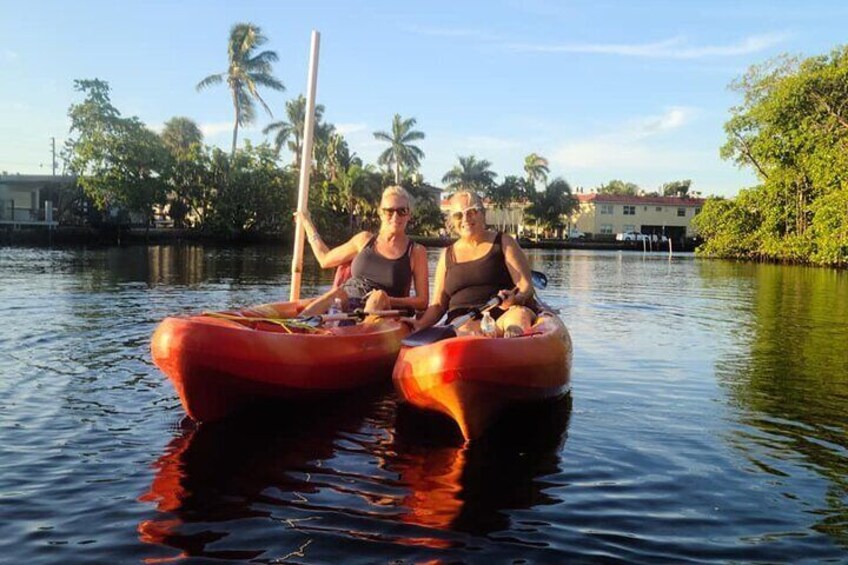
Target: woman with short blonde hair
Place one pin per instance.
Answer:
(384, 266)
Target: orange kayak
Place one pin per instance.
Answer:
(473, 379)
(221, 365)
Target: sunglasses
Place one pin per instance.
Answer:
(469, 212)
(401, 212)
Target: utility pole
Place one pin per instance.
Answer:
(53, 142)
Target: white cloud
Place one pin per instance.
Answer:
(216, 128)
(673, 118)
(673, 48)
(348, 129)
(630, 145)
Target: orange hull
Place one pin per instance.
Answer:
(220, 366)
(473, 379)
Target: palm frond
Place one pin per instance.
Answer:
(210, 81)
(267, 81)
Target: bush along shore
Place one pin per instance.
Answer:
(792, 130)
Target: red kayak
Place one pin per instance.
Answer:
(473, 379)
(223, 362)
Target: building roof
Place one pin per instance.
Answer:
(640, 200)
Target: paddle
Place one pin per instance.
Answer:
(433, 334)
(540, 279)
(438, 333)
(317, 320)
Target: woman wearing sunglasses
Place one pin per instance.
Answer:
(383, 266)
(479, 265)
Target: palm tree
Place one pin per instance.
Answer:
(537, 168)
(291, 132)
(179, 134)
(470, 174)
(401, 154)
(338, 156)
(245, 73)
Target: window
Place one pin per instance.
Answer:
(606, 209)
(606, 228)
(629, 227)
(681, 212)
(629, 210)
(659, 208)
(644, 208)
(697, 211)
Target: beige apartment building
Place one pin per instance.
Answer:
(609, 214)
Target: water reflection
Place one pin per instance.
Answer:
(792, 385)
(474, 488)
(213, 478)
(219, 488)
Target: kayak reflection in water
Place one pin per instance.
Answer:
(384, 267)
(453, 485)
(479, 265)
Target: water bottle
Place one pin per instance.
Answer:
(487, 325)
(335, 308)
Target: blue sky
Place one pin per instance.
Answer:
(629, 90)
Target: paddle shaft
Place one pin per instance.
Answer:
(305, 166)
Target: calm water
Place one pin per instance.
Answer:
(709, 423)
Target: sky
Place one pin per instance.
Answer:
(630, 90)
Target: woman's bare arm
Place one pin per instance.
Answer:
(519, 269)
(336, 256)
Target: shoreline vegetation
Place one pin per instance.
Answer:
(791, 128)
(98, 237)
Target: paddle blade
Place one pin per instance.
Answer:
(540, 280)
(429, 335)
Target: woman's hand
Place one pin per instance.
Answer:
(306, 220)
(508, 298)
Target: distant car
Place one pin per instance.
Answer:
(576, 234)
(630, 236)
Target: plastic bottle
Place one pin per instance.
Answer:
(487, 325)
(335, 308)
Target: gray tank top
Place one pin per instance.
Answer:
(391, 275)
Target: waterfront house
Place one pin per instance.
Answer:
(23, 199)
(609, 214)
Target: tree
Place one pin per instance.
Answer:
(246, 72)
(536, 168)
(179, 134)
(291, 132)
(252, 194)
(549, 207)
(119, 162)
(511, 191)
(336, 156)
(791, 128)
(470, 174)
(402, 155)
(619, 187)
(678, 188)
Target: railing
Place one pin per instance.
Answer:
(23, 215)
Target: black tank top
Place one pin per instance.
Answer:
(391, 275)
(472, 283)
